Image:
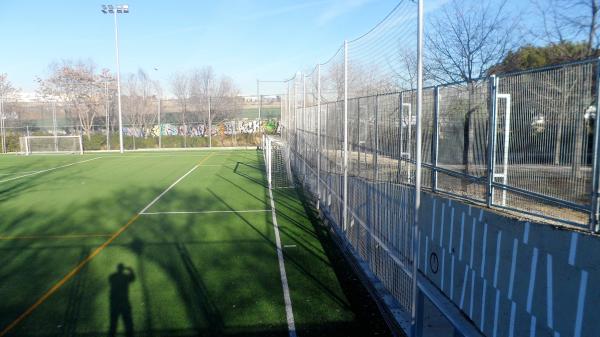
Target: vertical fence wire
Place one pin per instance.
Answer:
(362, 79)
(540, 161)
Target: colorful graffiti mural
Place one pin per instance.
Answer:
(201, 130)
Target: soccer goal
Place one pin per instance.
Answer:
(51, 144)
(277, 163)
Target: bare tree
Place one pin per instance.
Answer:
(565, 21)
(569, 20)
(467, 39)
(140, 94)
(180, 85)
(201, 83)
(195, 88)
(7, 90)
(80, 86)
(362, 81)
(224, 99)
(204, 84)
(462, 44)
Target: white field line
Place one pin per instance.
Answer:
(13, 173)
(168, 189)
(215, 149)
(219, 165)
(284, 281)
(85, 261)
(207, 212)
(151, 155)
(47, 170)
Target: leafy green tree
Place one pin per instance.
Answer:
(530, 56)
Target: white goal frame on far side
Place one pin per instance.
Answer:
(28, 145)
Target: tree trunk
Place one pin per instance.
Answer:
(468, 136)
(558, 140)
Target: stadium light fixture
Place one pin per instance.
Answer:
(114, 10)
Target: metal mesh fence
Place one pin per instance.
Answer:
(149, 124)
(542, 141)
(342, 120)
(545, 124)
(527, 142)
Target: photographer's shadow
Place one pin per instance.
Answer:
(119, 299)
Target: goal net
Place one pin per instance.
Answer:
(51, 144)
(277, 163)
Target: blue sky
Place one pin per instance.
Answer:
(243, 39)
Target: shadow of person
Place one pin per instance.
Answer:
(119, 299)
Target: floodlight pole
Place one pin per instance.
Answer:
(114, 10)
(118, 85)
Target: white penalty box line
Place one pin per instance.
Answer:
(48, 170)
(207, 212)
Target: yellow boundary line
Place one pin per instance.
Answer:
(83, 263)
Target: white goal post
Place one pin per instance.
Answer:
(51, 144)
(277, 163)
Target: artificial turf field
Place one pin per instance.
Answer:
(195, 232)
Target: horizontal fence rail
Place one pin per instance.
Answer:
(525, 141)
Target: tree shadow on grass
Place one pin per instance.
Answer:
(368, 321)
(179, 265)
(240, 168)
(304, 225)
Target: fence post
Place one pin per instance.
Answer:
(258, 100)
(435, 135)
(491, 160)
(345, 163)
(415, 314)
(595, 204)
(280, 123)
(304, 115)
(318, 136)
(2, 123)
(159, 127)
(288, 124)
(376, 150)
(400, 134)
(357, 134)
(209, 123)
(295, 121)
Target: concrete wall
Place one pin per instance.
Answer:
(511, 277)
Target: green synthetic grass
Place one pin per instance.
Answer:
(213, 274)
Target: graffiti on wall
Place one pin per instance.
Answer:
(226, 128)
